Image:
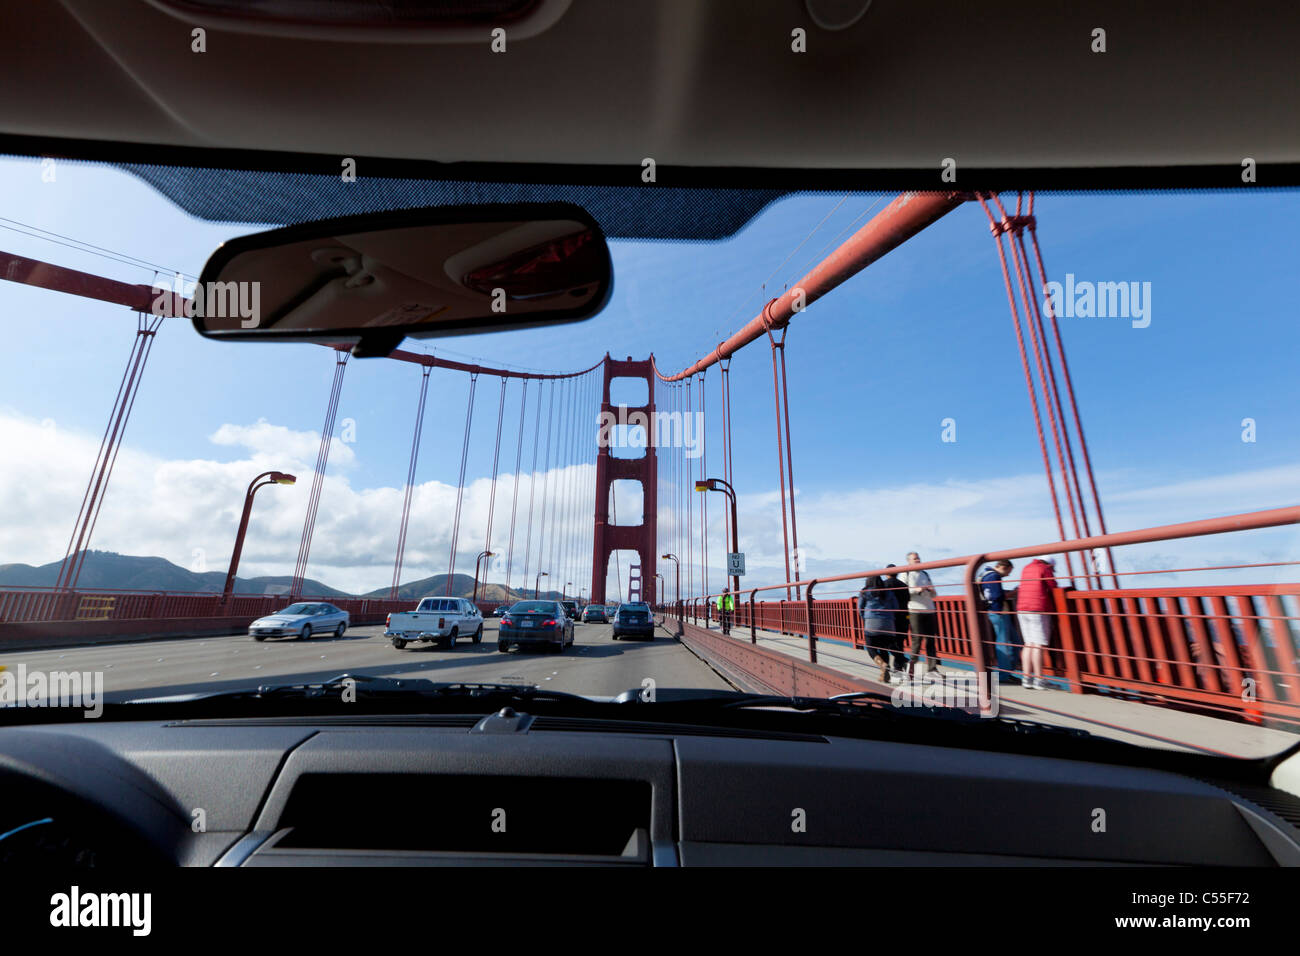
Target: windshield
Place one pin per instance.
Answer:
(927, 423)
(534, 607)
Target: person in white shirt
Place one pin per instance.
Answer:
(921, 617)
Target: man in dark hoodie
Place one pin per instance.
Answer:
(899, 590)
(999, 616)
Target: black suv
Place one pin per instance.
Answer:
(571, 609)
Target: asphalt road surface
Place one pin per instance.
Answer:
(595, 665)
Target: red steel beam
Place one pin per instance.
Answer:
(45, 275)
(891, 227)
(141, 298)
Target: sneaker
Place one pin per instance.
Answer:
(1026, 682)
(1038, 684)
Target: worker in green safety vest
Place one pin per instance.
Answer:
(727, 603)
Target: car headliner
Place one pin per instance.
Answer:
(712, 93)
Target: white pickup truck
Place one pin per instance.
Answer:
(440, 620)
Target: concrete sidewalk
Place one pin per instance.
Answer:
(1148, 725)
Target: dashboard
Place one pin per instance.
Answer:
(519, 790)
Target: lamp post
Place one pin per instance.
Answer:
(272, 478)
(564, 591)
(477, 562)
(677, 593)
(717, 484)
(537, 581)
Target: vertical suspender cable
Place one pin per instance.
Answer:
(460, 484)
(546, 481)
(410, 481)
(688, 504)
(996, 228)
(514, 502)
(318, 479)
(704, 498)
(789, 466)
(1069, 388)
(97, 487)
(496, 458)
(780, 455)
(532, 483)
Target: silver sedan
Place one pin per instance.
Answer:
(301, 620)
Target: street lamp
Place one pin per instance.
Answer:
(537, 581)
(717, 484)
(477, 562)
(272, 478)
(662, 587)
(564, 591)
(677, 594)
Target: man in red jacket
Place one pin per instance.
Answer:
(1033, 607)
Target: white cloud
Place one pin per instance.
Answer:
(848, 530)
(177, 508)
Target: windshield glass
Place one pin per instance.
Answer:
(927, 425)
(534, 607)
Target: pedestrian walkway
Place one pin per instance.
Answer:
(1147, 725)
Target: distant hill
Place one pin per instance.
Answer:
(124, 572)
(112, 571)
(462, 585)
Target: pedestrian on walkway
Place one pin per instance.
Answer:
(921, 617)
(901, 596)
(728, 609)
(1034, 604)
(877, 606)
(995, 600)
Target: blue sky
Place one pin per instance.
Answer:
(922, 335)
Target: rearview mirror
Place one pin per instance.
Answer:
(372, 280)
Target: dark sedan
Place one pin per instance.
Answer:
(594, 612)
(633, 620)
(535, 623)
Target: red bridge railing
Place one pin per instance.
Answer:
(1228, 649)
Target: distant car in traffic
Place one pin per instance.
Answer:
(535, 624)
(571, 610)
(501, 610)
(594, 613)
(633, 620)
(301, 620)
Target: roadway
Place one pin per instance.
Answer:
(595, 665)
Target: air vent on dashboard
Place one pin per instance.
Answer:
(468, 815)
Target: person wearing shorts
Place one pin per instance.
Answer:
(1033, 606)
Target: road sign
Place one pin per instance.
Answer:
(735, 563)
